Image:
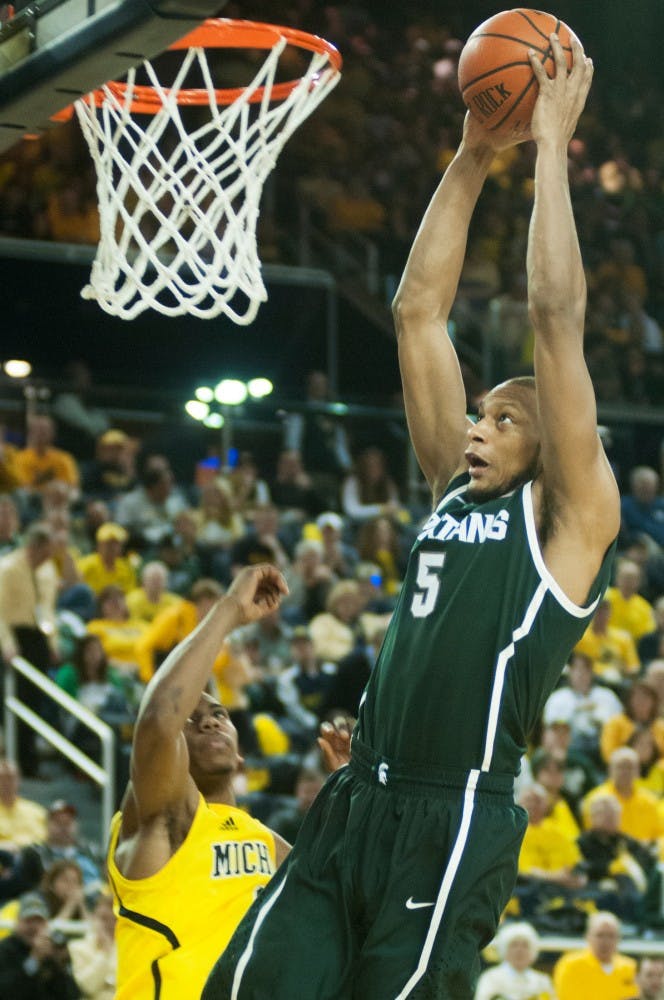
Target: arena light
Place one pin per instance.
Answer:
(204, 393)
(197, 409)
(17, 368)
(214, 420)
(230, 392)
(259, 387)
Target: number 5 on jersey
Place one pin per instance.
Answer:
(428, 582)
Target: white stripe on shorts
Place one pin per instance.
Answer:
(446, 884)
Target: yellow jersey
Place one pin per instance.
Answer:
(172, 926)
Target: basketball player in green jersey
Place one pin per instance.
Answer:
(409, 855)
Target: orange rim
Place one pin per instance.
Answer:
(220, 33)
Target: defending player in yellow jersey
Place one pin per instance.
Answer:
(183, 862)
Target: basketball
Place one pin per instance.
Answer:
(496, 80)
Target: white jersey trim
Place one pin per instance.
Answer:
(446, 884)
(502, 662)
(246, 954)
(529, 514)
(451, 496)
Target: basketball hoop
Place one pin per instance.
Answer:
(179, 206)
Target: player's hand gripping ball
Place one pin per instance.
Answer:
(496, 79)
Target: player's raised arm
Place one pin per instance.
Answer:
(433, 388)
(160, 761)
(580, 489)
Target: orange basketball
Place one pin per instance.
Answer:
(496, 79)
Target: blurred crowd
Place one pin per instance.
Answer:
(368, 160)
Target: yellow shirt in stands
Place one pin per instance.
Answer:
(613, 651)
(545, 847)
(97, 576)
(618, 730)
(640, 815)
(23, 823)
(635, 614)
(36, 469)
(579, 976)
(562, 817)
(173, 926)
(119, 639)
(141, 607)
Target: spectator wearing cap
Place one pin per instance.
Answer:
(111, 472)
(107, 566)
(338, 555)
(34, 962)
(63, 843)
(303, 686)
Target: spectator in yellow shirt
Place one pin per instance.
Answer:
(547, 858)
(107, 567)
(119, 634)
(548, 770)
(629, 610)
(640, 816)
(611, 649)
(22, 821)
(152, 597)
(641, 712)
(598, 972)
(39, 462)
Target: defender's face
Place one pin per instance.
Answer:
(503, 446)
(211, 739)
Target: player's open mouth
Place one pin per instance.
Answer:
(475, 462)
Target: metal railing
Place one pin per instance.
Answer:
(14, 708)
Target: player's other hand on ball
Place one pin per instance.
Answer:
(562, 98)
(476, 136)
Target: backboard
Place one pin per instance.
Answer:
(55, 51)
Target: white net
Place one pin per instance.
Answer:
(179, 206)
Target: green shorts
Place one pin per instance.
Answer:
(397, 881)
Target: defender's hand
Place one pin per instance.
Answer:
(561, 99)
(334, 741)
(256, 591)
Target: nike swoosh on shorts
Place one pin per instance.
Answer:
(412, 905)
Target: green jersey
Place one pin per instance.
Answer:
(478, 639)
